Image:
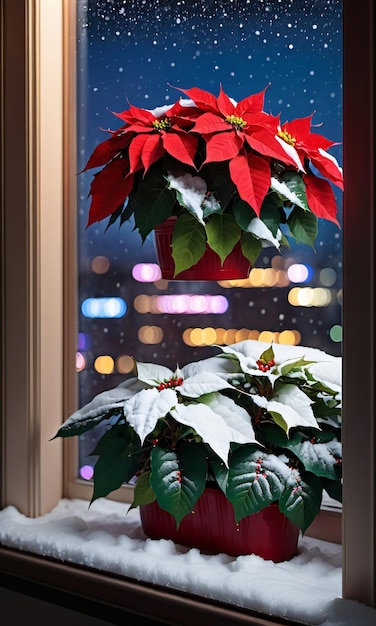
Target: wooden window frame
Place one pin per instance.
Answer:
(38, 271)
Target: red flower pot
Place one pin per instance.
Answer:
(207, 268)
(211, 527)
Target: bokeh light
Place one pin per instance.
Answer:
(335, 333)
(104, 364)
(87, 472)
(146, 272)
(299, 273)
(80, 362)
(100, 265)
(125, 364)
(104, 307)
(150, 334)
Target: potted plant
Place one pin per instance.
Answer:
(214, 179)
(250, 435)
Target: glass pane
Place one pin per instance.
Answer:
(136, 52)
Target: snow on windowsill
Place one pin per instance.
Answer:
(104, 537)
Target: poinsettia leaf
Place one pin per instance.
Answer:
(188, 242)
(272, 213)
(153, 373)
(290, 407)
(144, 410)
(333, 488)
(109, 188)
(223, 234)
(290, 186)
(117, 462)
(106, 150)
(220, 472)
(301, 499)
(142, 492)
(319, 458)
(105, 405)
(208, 424)
(223, 146)
(202, 383)
(251, 247)
(236, 417)
(255, 479)
(321, 198)
(153, 202)
(251, 175)
(181, 145)
(303, 226)
(178, 477)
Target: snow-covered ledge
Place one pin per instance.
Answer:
(106, 538)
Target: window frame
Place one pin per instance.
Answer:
(37, 122)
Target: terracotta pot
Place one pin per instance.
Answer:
(208, 267)
(211, 527)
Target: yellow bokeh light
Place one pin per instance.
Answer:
(208, 336)
(104, 364)
(268, 336)
(196, 336)
(287, 337)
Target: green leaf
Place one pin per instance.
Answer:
(143, 492)
(243, 213)
(188, 242)
(117, 461)
(293, 188)
(320, 458)
(303, 226)
(272, 213)
(251, 247)
(153, 202)
(267, 355)
(220, 473)
(333, 488)
(255, 479)
(223, 234)
(78, 427)
(301, 500)
(178, 477)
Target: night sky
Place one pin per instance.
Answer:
(136, 51)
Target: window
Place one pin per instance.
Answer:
(34, 344)
(135, 53)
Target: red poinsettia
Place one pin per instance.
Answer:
(227, 170)
(312, 148)
(144, 139)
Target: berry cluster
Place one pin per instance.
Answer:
(174, 381)
(264, 367)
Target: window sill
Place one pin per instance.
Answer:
(101, 554)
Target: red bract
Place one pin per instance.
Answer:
(230, 127)
(312, 146)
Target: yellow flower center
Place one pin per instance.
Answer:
(283, 134)
(237, 122)
(162, 124)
